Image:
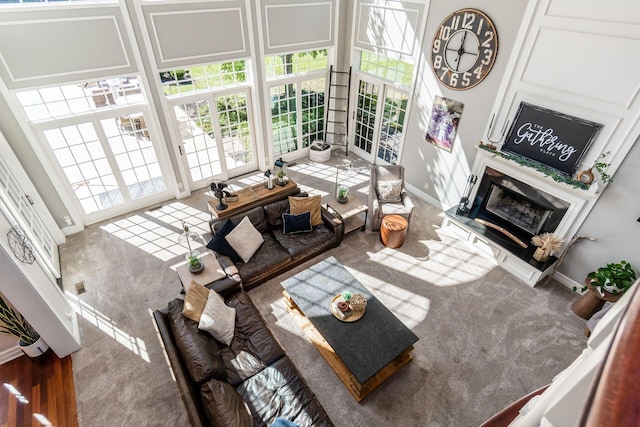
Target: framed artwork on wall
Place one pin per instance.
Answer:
(553, 139)
(443, 123)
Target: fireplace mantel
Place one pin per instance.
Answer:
(512, 258)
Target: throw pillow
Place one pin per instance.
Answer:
(224, 406)
(389, 191)
(311, 204)
(220, 245)
(195, 300)
(218, 319)
(300, 223)
(245, 239)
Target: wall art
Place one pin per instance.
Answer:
(443, 123)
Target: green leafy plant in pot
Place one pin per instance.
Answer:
(614, 278)
(13, 323)
(195, 265)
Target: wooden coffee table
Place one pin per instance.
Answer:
(364, 353)
(250, 197)
(353, 213)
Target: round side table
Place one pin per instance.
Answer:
(591, 301)
(393, 231)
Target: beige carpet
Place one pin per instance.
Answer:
(485, 338)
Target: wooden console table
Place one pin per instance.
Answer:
(252, 196)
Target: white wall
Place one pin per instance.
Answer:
(439, 175)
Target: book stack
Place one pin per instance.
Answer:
(341, 308)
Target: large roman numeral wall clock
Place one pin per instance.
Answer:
(464, 49)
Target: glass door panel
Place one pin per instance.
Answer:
(284, 119)
(365, 122)
(83, 160)
(391, 132)
(312, 100)
(198, 141)
(135, 155)
(233, 118)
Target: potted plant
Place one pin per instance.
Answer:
(281, 180)
(343, 193)
(614, 278)
(195, 265)
(13, 323)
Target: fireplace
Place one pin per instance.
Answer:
(519, 208)
(509, 205)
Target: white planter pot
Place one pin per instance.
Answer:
(36, 349)
(319, 155)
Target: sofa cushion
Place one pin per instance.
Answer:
(273, 212)
(198, 349)
(224, 406)
(280, 391)
(300, 223)
(302, 244)
(253, 346)
(245, 239)
(298, 205)
(195, 301)
(218, 319)
(219, 244)
(270, 256)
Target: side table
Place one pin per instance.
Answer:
(351, 213)
(591, 301)
(212, 271)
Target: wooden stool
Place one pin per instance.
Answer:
(393, 231)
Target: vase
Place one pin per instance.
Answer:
(198, 269)
(540, 255)
(36, 349)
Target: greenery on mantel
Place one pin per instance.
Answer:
(555, 175)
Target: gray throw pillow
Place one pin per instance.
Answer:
(245, 239)
(218, 319)
(389, 191)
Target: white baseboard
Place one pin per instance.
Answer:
(566, 281)
(10, 354)
(424, 196)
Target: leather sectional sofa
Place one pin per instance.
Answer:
(280, 252)
(217, 382)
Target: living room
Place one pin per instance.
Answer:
(434, 176)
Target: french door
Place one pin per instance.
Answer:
(378, 128)
(110, 162)
(216, 134)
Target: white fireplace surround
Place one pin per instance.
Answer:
(578, 200)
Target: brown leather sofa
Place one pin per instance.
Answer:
(218, 383)
(280, 252)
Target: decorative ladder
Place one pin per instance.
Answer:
(336, 120)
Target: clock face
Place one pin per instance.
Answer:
(464, 49)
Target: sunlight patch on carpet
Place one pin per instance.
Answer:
(450, 262)
(103, 323)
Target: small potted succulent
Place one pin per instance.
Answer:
(614, 278)
(343, 193)
(195, 265)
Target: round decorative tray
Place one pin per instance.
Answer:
(355, 316)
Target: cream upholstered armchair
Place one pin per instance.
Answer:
(387, 195)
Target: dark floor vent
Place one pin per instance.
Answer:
(80, 288)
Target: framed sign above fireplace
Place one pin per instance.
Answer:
(556, 140)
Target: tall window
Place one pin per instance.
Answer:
(98, 135)
(381, 107)
(211, 104)
(297, 93)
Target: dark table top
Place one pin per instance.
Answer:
(364, 346)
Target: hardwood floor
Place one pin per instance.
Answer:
(38, 392)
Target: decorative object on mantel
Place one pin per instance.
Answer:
(599, 165)
(556, 140)
(464, 201)
(13, 323)
(553, 174)
(20, 245)
(443, 123)
(507, 233)
(548, 244)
